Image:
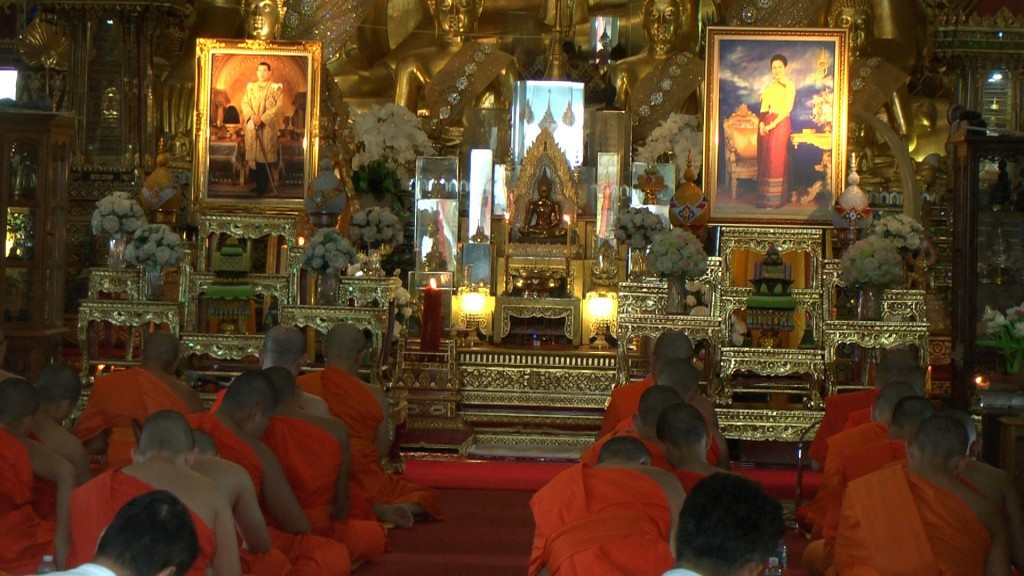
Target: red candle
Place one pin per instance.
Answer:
(430, 320)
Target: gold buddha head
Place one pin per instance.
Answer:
(663, 21)
(544, 186)
(456, 17)
(857, 16)
(263, 18)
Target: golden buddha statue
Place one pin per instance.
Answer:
(263, 19)
(543, 215)
(874, 83)
(444, 82)
(663, 78)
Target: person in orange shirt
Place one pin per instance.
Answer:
(120, 398)
(236, 427)
(314, 452)
(363, 407)
(908, 413)
(830, 489)
(922, 519)
(59, 388)
(645, 421)
(162, 462)
(996, 485)
(729, 526)
(618, 517)
(26, 537)
(623, 402)
(684, 436)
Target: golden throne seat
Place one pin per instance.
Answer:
(740, 147)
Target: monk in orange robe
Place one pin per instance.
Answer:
(830, 489)
(313, 450)
(683, 434)
(236, 428)
(166, 450)
(119, 398)
(363, 409)
(644, 428)
(922, 519)
(908, 413)
(624, 400)
(26, 537)
(618, 517)
(838, 408)
(59, 388)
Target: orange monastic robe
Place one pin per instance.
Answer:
(857, 463)
(309, 554)
(44, 493)
(896, 522)
(858, 417)
(25, 537)
(311, 458)
(624, 402)
(837, 409)
(713, 453)
(597, 521)
(94, 505)
(658, 459)
(350, 401)
(830, 489)
(116, 400)
(687, 478)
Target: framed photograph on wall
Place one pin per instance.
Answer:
(256, 122)
(775, 134)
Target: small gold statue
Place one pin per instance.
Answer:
(263, 19)
(543, 214)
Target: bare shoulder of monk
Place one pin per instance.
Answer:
(226, 475)
(197, 491)
(982, 508)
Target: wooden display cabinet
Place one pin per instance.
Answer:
(34, 159)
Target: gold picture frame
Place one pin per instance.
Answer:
(791, 174)
(225, 143)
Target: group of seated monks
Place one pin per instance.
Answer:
(902, 490)
(282, 475)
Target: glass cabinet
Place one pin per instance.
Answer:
(34, 156)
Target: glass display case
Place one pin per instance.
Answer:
(988, 254)
(35, 151)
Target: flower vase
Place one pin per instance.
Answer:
(869, 303)
(115, 257)
(327, 289)
(154, 282)
(676, 303)
(637, 264)
(371, 266)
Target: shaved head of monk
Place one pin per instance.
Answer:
(680, 375)
(283, 382)
(151, 535)
(284, 346)
(671, 345)
(888, 396)
(940, 439)
(682, 427)
(652, 402)
(205, 446)
(59, 388)
(160, 350)
(728, 526)
(250, 401)
(907, 415)
(624, 450)
(18, 403)
(165, 431)
(344, 344)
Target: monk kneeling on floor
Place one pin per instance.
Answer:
(162, 460)
(618, 517)
(922, 519)
(683, 434)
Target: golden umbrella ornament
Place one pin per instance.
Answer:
(43, 44)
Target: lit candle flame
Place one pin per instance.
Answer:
(433, 283)
(302, 241)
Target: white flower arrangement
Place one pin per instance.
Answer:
(403, 305)
(903, 231)
(374, 227)
(678, 253)
(116, 214)
(388, 140)
(737, 330)
(155, 246)
(873, 261)
(1004, 333)
(328, 252)
(637, 227)
(680, 134)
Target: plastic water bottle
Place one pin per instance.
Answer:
(782, 555)
(774, 569)
(47, 565)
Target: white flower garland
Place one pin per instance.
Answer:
(117, 213)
